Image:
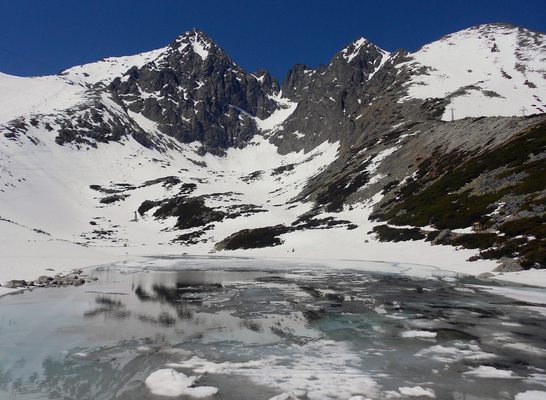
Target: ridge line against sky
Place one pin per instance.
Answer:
(42, 38)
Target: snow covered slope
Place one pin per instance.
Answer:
(487, 70)
(104, 71)
(38, 95)
(180, 150)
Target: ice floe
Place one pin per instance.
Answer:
(418, 334)
(417, 391)
(324, 369)
(459, 351)
(531, 395)
(168, 382)
(485, 371)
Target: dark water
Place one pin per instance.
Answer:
(257, 332)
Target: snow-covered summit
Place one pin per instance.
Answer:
(486, 70)
(105, 70)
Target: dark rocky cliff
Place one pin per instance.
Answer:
(194, 92)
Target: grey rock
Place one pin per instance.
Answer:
(508, 265)
(44, 280)
(16, 283)
(486, 275)
(524, 214)
(443, 237)
(78, 282)
(210, 99)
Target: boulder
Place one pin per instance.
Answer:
(16, 283)
(508, 265)
(44, 280)
(443, 237)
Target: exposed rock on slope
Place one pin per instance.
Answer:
(499, 190)
(193, 92)
(181, 147)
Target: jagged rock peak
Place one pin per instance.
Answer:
(194, 92)
(198, 41)
(264, 77)
(358, 47)
(297, 78)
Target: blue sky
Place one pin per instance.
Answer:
(39, 37)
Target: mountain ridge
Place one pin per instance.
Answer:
(180, 148)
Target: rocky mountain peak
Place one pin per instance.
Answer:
(296, 80)
(194, 92)
(264, 77)
(195, 41)
(355, 47)
(360, 54)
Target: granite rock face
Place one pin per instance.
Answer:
(332, 98)
(194, 92)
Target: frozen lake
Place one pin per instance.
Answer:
(255, 330)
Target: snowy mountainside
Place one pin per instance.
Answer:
(181, 150)
(39, 95)
(487, 70)
(104, 71)
(92, 197)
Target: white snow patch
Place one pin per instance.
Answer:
(168, 382)
(294, 395)
(485, 371)
(417, 391)
(200, 49)
(146, 124)
(357, 45)
(38, 95)
(372, 167)
(531, 395)
(527, 294)
(324, 369)
(356, 49)
(286, 108)
(532, 277)
(109, 68)
(418, 334)
(459, 351)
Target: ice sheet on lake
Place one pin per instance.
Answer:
(325, 369)
(531, 395)
(459, 351)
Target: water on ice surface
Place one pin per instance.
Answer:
(193, 327)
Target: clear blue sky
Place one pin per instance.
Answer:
(39, 37)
